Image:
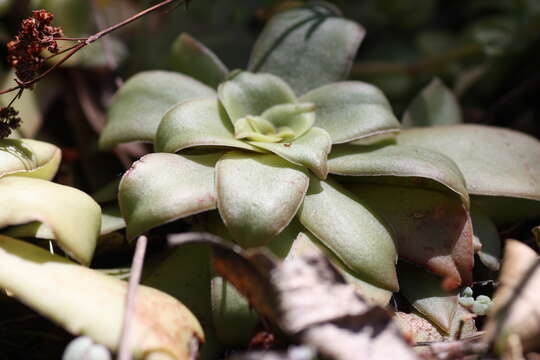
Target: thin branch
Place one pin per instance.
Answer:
(90, 40)
(124, 351)
(137, 16)
(62, 51)
(107, 46)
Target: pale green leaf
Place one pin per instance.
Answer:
(494, 161)
(161, 188)
(352, 110)
(86, 302)
(431, 228)
(252, 94)
(137, 108)
(280, 244)
(425, 293)
(435, 105)
(111, 219)
(351, 231)
(400, 161)
(310, 150)
(505, 211)
(196, 123)
(73, 216)
(234, 319)
(258, 195)
(192, 58)
(487, 233)
(108, 192)
(307, 47)
(32, 158)
(185, 273)
(298, 117)
(371, 293)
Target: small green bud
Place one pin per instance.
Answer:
(467, 292)
(77, 348)
(466, 301)
(483, 299)
(98, 352)
(480, 308)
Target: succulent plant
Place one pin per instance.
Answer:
(289, 150)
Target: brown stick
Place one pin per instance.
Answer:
(124, 351)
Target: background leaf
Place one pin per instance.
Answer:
(307, 47)
(435, 105)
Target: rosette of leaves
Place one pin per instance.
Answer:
(265, 142)
(258, 146)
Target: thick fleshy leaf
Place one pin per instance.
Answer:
(111, 220)
(506, 211)
(494, 161)
(258, 195)
(139, 105)
(400, 161)
(298, 117)
(351, 231)
(352, 110)
(252, 94)
(192, 58)
(87, 302)
(431, 228)
(234, 319)
(196, 123)
(161, 187)
(486, 231)
(425, 293)
(435, 105)
(32, 158)
(185, 273)
(107, 193)
(307, 47)
(73, 216)
(280, 244)
(305, 241)
(310, 150)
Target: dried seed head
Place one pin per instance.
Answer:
(9, 121)
(36, 35)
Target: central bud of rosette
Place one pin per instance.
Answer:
(280, 123)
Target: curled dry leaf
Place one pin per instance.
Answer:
(308, 300)
(515, 308)
(87, 302)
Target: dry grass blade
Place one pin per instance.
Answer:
(124, 352)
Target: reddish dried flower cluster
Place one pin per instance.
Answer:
(9, 120)
(36, 35)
